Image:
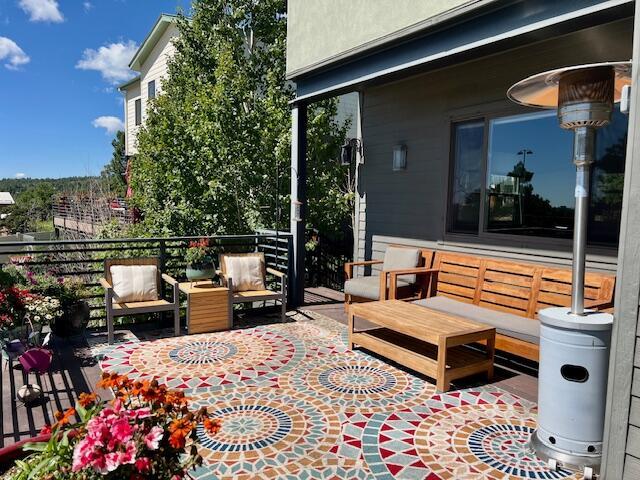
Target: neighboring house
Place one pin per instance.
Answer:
(150, 61)
(6, 199)
(482, 174)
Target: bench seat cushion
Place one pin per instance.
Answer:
(526, 329)
(367, 287)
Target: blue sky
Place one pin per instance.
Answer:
(60, 62)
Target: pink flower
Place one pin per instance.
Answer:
(152, 439)
(121, 431)
(143, 464)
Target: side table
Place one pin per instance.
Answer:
(209, 307)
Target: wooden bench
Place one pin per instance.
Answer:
(513, 290)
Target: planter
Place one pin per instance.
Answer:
(74, 320)
(9, 455)
(203, 271)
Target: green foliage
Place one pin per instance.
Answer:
(214, 152)
(114, 172)
(34, 199)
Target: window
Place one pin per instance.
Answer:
(466, 177)
(530, 178)
(151, 89)
(138, 108)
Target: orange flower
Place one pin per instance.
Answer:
(87, 399)
(212, 426)
(177, 440)
(64, 418)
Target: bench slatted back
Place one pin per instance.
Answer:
(555, 288)
(506, 286)
(514, 287)
(457, 276)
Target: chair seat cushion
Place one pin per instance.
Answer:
(367, 287)
(134, 283)
(401, 258)
(526, 329)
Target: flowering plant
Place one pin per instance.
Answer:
(199, 252)
(13, 302)
(43, 310)
(146, 432)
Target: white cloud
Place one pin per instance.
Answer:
(11, 54)
(112, 61)
(110, 124)
(20, 175)
(42, 10)
(87, 6)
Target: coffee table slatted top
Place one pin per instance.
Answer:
(411, 320)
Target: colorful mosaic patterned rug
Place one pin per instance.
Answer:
(296, 404)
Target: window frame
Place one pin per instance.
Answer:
(137, 111)
(519, 241)
(149, 85)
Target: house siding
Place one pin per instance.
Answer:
(155, 67)
(131, 95)
(418, 112)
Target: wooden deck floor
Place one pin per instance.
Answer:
(74, 371)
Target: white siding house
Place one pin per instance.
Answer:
(150, 61)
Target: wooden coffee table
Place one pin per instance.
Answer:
(425, 340)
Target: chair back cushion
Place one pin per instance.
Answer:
(247, 271)
(134, 283)
(396, 258)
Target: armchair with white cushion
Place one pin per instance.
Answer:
(133, 286)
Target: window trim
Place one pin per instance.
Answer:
(523, 241)
(137, 111)
(149, 84)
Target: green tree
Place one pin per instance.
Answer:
(33, 206)
(114, 172)
(219, 135)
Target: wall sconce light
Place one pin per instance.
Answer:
(399, 158)
(297, 210)
(348, 151)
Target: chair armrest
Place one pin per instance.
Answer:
(275, 272)
(394, 274)
(169, 279)
(106, 285)
(598, 304)
(348, 267)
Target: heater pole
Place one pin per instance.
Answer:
(583, 148)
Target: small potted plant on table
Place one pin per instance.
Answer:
(199, 261)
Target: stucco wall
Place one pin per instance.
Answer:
(321, 29)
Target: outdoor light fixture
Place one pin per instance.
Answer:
(297, 210)
(399, 158)
(574, 342)
(348, 151)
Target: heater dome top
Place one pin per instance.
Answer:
(541, 90)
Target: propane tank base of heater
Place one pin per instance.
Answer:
(588, 465)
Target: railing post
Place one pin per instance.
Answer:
(162, 259)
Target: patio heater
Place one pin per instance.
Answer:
(574, 342)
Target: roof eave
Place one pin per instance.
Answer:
(126, 85)
(147, 44)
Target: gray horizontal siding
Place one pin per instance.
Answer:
(418, 112)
